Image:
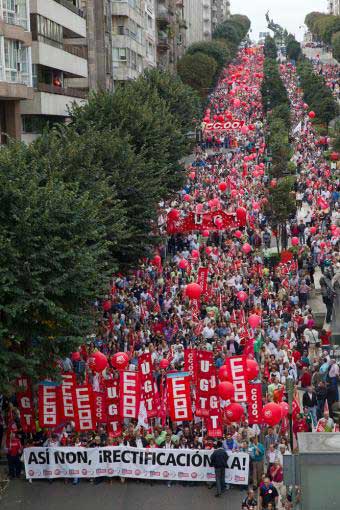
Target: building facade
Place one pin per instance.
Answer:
(220, 11)
(334, 7)
(59, 64)
(171, 28)
(15, 65)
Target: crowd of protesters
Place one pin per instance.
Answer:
(146, 311)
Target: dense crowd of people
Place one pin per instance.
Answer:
(147, 311)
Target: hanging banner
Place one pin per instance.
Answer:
(129, 394)
(48, 404)
(214, 423)
(190, 362)
(125, 462)
(254, 404)
(222, 127)
(202, 279)
(179, 399)
(25, 404)
(99, 403)
(205, 371)
(112, 406)
(68, 396)
(148, 394)
(84, 416)
(236, 366)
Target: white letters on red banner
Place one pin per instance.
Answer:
(236, 366)
(129, 393)
(230, 125)
(25, 404)
(84, 413)
(205, 378)
(179, 397)
(254, 404)
(112, 406)
(49, 415)
(148, 393)
(99, 400)
(67, 396)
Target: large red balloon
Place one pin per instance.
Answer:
(223, 374)
(183, 264)
(164, 363)
(312, 115)
(157, 260)
(284, 409)
(120, 360)
(252, 369)
(226, 390)
(223, 186)
(242, 296)
(193, 291)
(295, 241)
(246, 248)
(234, 412)
(241, 215)
(98, 361)
(254, 320)
(271, 414)
(174, 214)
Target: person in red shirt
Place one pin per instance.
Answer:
(14, 451)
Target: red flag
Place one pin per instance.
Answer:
(48, 403)
(68, 396)
(99, 401)
(202, 279)
(236, 366)
(112, 406)
(129, 394)
(190, 362)
(214, 424)
(147, 385)
(254, 404)
(84, 413)
(179, 397)
(205, 371)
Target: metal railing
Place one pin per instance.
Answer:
(69, 5)
(62, 91)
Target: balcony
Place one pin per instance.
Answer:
(60, 13)
(69, 5)
(163, 43)
(14, 91)
(163, 15)
(57, 58)
(62, 91)
(50, 103)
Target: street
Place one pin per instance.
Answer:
(133, 496)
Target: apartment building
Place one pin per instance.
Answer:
(59, 63)
(334, 7)
(15, 65)
(220, 11)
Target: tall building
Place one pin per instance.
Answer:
(334, 7)
(220, 11)
(195, 14)
(171, 28)
(15, 65)
(59, 64)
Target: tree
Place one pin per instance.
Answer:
(230, 31)
(243, 21)
(217, 50)
(54, 257)
(293, 49)
(270, 49)
(311, 19)
(281, 204)
(198, 71)
(272, 89)
(336, 46)
(327, 26)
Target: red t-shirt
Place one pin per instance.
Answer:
(14, 447)
(277, 475)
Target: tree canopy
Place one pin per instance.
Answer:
(198, 71)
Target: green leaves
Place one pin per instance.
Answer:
(270, 49)
(198, 71)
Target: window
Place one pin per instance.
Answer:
(119, 54)
(15, 12)
(15, 65)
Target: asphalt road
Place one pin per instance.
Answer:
(41, 495)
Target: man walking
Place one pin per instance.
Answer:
(219, 460)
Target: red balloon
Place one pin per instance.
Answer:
(312, 115)
(192, 175)
(223, 374)
(252, 369)
(254, 320)
(284, 409)
(120, 360)
(205, 233)
(223, 186)
(187, 198)
(273, 183)
(157, 260)
(164, 363)
(195, 254)
(98, 361)
(238, 234)
(234, 412)
(183, 264)
(295, 241)
(246, 248)
(241, 215)
(313, 230)
(271, 414)
(226, 390)
(242, 296)
(193, 291)
(174, 214)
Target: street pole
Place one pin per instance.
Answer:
(290, 386)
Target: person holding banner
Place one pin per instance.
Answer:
(14, 451)
(219, 461)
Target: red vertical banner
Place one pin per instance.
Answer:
(112, 406)
(214, 424)
(99, 404)
(68, 396)
(205, 371)
(202, 279)
(254, 404)
(236, 366)
(190, 362)
(25, 404)
(84, 413)
(179, 399)
(129, 394)
(148, 394)
(48, 403)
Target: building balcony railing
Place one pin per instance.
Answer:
(78, 51)
(62, 91)
(163, 44)
(163, 17)
(71, 7)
